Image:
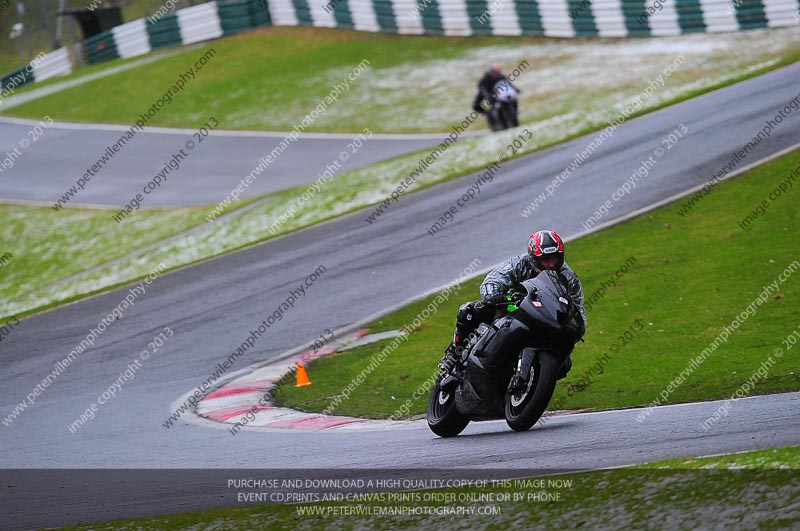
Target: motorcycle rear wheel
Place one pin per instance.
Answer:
(443, 418)
(523, 409)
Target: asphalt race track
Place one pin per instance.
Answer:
(66, 151)
(212, 306)
(581, 441)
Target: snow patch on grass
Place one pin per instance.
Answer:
(556, 76)
(569, 87)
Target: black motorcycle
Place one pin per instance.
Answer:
(500, 115)
(509, 368)
(501, 108)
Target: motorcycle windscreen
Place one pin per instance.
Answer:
(545, 306)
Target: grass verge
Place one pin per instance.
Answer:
(581, 111)
(44, 247)
(751, 490)
(687, 278)
(272, 78)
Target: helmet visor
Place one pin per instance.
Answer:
(547, 262)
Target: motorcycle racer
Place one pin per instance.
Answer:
(545, 252)
(496, 90)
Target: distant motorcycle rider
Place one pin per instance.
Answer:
(493, 88)
(545, 251)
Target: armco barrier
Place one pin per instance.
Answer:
(549, 18)
(185, 26)
(44, 66)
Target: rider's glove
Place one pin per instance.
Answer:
(516, 294)
(493, 293)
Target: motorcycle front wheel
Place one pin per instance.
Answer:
(524, 408)
(443, 418)
(506, 116)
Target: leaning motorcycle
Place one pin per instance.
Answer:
(501, 109)
(509, 368)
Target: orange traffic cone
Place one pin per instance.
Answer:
(302, 376)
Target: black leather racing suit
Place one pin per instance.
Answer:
(487, 84)
(506, 279)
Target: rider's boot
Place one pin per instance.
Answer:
(452, 355)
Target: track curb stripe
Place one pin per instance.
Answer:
(245, 400)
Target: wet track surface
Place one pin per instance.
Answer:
(64, 152)
(212, 306)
